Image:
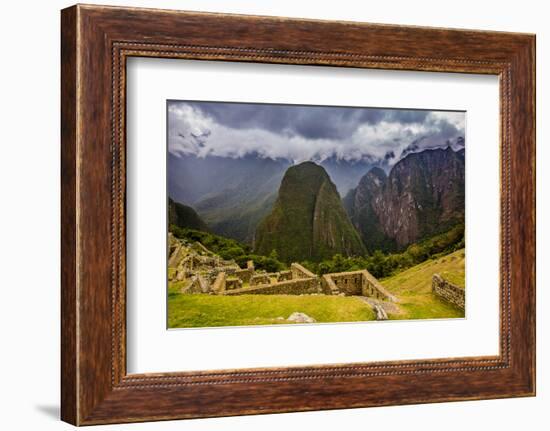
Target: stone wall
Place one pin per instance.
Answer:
(176, 253)
(448, 291)
(197, 284)
(372, 287)
(348, 283)
(200, 248)
(328, 286)
(298, 271)
(233, 283)
(284, 276)
(219, 284)
(244, 274)
(355, 283)
(291, 287)
(259, 279)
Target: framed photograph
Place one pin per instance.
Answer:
(264, 215)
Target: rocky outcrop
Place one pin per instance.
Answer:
(422, 196)
(297, 317)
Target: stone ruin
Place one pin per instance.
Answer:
(200, 271)
(260, 279)
(197, 268)
(448, 291)
(355, 283)
(297, 281)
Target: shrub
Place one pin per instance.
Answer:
(229, 249)
(383, 265)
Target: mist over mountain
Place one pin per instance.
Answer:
(232, 194)
(301, 133)
(192, 179)
(345, 174)
(426, 143)
(226, 160)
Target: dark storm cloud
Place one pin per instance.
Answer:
(307, 132)
(405, 116)
(310, 122)
(447, 133)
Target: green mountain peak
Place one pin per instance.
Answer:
(307, 221)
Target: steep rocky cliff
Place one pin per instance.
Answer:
(308, 221)
(422, 196)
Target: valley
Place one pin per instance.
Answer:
(420, 196)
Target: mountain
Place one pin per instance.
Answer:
(422, 196)
(308, 221)
(235, 209)
(345, 174)
(192, 178)
(232, 195)
(361, 204)
(184, 216)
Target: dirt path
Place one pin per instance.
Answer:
(382, 308)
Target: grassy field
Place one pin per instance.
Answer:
(193, 311)
(414, 288)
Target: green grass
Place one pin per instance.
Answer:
(414, 288)
(194, 311)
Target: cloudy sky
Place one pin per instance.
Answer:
(300, 133)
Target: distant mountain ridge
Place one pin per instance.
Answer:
(184, 216)
(192, 179)
(423, 195)
(232, 195)
(308, 221)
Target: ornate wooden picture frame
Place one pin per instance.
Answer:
(96, 41)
